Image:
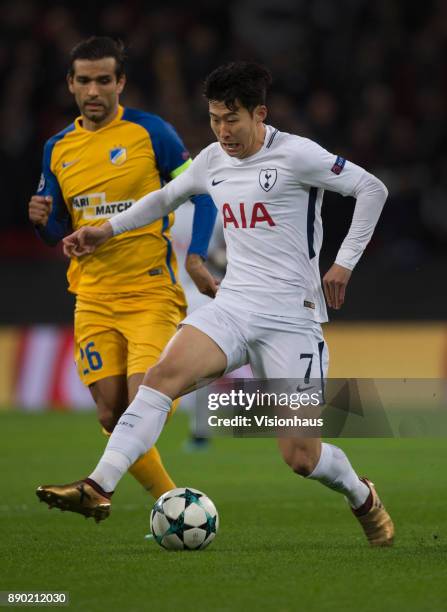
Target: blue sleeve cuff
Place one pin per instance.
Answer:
(205, 213)
(53, 232)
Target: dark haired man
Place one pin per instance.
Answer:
(268, 187)
(128, 299)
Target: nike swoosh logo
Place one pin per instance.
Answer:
(301, 389)
(69, 163)
(214, 182)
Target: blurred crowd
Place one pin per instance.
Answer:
(365, 79)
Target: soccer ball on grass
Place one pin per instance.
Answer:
(184, 519)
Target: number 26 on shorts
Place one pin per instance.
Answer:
(92, 357)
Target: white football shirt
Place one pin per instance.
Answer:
(270, 207)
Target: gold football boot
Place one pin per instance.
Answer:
(81, 496)
(374, 519)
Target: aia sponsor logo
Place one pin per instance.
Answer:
(240, 218)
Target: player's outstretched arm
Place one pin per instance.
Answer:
(157, 204)
(146, 210)
(86, 239)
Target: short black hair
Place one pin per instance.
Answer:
(246, 82)
(98, 47)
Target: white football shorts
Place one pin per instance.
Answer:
(274, 346)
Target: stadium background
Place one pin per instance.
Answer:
(364, 79)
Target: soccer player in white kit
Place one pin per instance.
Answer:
(268, 186)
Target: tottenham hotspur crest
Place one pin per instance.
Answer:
(267, 178)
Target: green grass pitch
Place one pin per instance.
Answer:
(284, 544)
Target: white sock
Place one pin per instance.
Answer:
(135, 433)
(334, 471)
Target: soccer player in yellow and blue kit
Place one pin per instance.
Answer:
(128, 299)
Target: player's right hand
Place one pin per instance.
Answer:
(39, 209)
(86, 239)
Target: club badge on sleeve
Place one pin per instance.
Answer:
(339, 165)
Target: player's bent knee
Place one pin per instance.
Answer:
(300, 462)
(164, 376)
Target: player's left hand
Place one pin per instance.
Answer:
(335, 282)
(202, 277)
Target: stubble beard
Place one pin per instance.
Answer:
(95, 117)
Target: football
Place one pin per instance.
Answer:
(184, 519)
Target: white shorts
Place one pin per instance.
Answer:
(274, 346)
